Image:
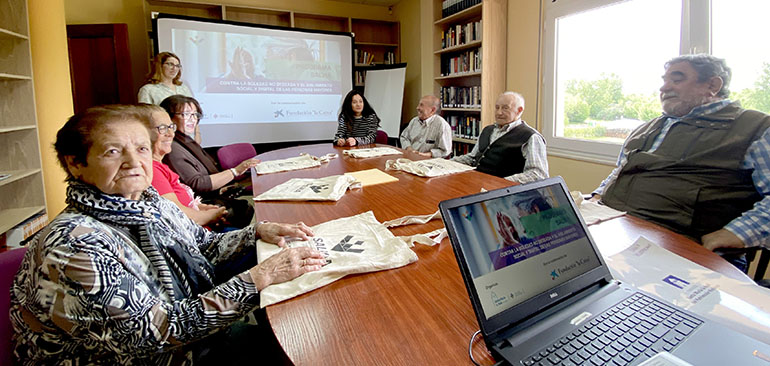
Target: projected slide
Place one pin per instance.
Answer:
(260, 84)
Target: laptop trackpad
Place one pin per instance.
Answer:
(708, 345)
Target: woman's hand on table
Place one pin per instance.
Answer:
(276, 233)
(351, 141)
(340, 142)
(286, 265)
(246, 165)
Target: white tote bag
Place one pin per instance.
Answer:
(427, 168)
(354, 244)
(330, 188)
(372, 152)
(300, 162)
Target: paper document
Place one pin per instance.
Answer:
(371, 177)
(742, 306)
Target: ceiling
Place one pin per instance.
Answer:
(372, 2)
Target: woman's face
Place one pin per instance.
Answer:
(162, 146)
(120, 160)
(357, 104)
(186, 119)
(171, 68)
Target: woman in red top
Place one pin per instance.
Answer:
(166, 182)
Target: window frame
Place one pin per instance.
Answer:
(695, 37)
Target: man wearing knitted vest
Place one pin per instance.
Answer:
(509, 149)
(702, 168)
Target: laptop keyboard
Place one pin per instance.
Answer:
(632, 331)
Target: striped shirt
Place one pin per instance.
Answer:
(432, 135)
(533, 151)
(364, 129)
(753, 227)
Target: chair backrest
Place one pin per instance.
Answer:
(382, 137)
(231, 155)
(9, 265)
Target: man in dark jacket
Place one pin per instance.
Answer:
(702, 168)
(509, 149)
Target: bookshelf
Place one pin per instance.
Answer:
(376, 41)
(469, 65)
(22, 193)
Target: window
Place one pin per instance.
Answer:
(604, 61)
(735, 24)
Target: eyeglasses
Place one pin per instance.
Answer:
(162, 129)
(187, 115)
(172, 65)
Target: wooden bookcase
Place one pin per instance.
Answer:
(22, 194)
(478, 67)
(378, 38)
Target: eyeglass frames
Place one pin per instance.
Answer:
(162, 129)
(187, 115)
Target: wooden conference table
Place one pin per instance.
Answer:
(418, 314)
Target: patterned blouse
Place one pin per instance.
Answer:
(120, 282)
(364, 129)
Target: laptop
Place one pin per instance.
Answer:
(543, 295)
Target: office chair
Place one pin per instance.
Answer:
(764, 261)
(382, 137)
(9, 265)
(231, 155)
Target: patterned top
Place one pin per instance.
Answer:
(120, 282)
(364, 129)
(155, 93)
(433, 135)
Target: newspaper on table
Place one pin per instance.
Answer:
(740, 305)
(355, 244)
(300, 162)
(372, 152)
(427, 168)
(330, 188)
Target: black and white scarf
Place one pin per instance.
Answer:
(182, 269)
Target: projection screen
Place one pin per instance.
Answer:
(260, 84)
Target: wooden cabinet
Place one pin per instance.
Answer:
(469, 67)
(22, 194)
(376, 41)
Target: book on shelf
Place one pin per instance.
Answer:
(461, 63)
(460, 96)
(461, 34)
(449, 7)
(365, 58)
(18, 236)
(466, 127)
(461, 149)
(360, 78)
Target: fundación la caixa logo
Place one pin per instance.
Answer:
(554, 275)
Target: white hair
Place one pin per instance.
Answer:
(518, 100)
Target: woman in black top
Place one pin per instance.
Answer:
(357, 121)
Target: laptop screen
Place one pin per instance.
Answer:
(520, 245)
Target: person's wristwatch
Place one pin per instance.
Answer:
(235, 173)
